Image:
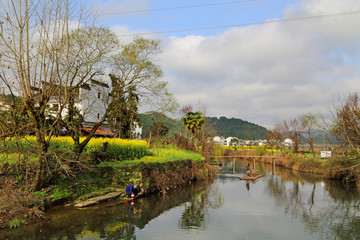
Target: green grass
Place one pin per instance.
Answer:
(16, 158)
(160, 155)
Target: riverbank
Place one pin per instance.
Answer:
(19, 207)
(344, 170)
(162, 169)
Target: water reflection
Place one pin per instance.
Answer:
(117, 220)
(283, 204)
(194, 213)
(327, 208)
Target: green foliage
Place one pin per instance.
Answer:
(160, 155)
(234, 127)
(123, 115)
(159, 129)
(39, 194)
(72, 188)
(147, 120)
(222, 126)
(60, 193)
(259, 151)
(193, 121)
(15, 223)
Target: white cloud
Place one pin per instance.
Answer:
(269, 72)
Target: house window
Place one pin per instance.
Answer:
(99, 95)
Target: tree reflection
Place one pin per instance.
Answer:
(195, 210)
(327, 208)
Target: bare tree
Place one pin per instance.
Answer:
(346, 121)
(277, 136)
(309, 122)
(47, 50)
(295, 127)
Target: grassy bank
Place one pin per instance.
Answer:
(339, 166)
(105, 164)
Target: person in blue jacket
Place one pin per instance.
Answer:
(133, 190)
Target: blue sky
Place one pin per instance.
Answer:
(161, 15)
(262, 73)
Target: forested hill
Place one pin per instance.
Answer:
(234, 127)
(226, 127)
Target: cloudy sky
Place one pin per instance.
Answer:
(259, 60)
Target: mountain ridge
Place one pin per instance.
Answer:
(222, 126)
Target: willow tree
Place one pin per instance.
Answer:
(136, 81)
(39, 61)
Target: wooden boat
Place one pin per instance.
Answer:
(251, 177)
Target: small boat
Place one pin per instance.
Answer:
(252, 177)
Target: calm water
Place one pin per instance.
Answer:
(281, 205)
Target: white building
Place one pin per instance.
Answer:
(137, 131)
(234, 139)
(90, 100)
(288, 142)
(220, 140)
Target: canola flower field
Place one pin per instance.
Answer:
(123, 150)
(115, 148)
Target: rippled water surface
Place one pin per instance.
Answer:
(281, 205)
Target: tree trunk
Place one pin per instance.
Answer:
(42, 149)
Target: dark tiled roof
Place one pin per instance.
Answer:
(99, 131)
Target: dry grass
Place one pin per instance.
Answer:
(17, 204)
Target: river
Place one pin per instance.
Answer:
(283, 204)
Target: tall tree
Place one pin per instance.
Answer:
(295, 127)
(309, 122)
(123, 116)
(136, 79)
(90, 47)
(39, 60)
(346, 121)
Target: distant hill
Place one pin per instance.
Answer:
(226, 127)
(147, 119)
(234, 127)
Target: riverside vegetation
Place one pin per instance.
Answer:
(341, 166)
(106, 164)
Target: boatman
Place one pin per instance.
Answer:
(248, 171)
(133, 190)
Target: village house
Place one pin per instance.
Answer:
(91, 100)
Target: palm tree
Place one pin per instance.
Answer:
(193, 121)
